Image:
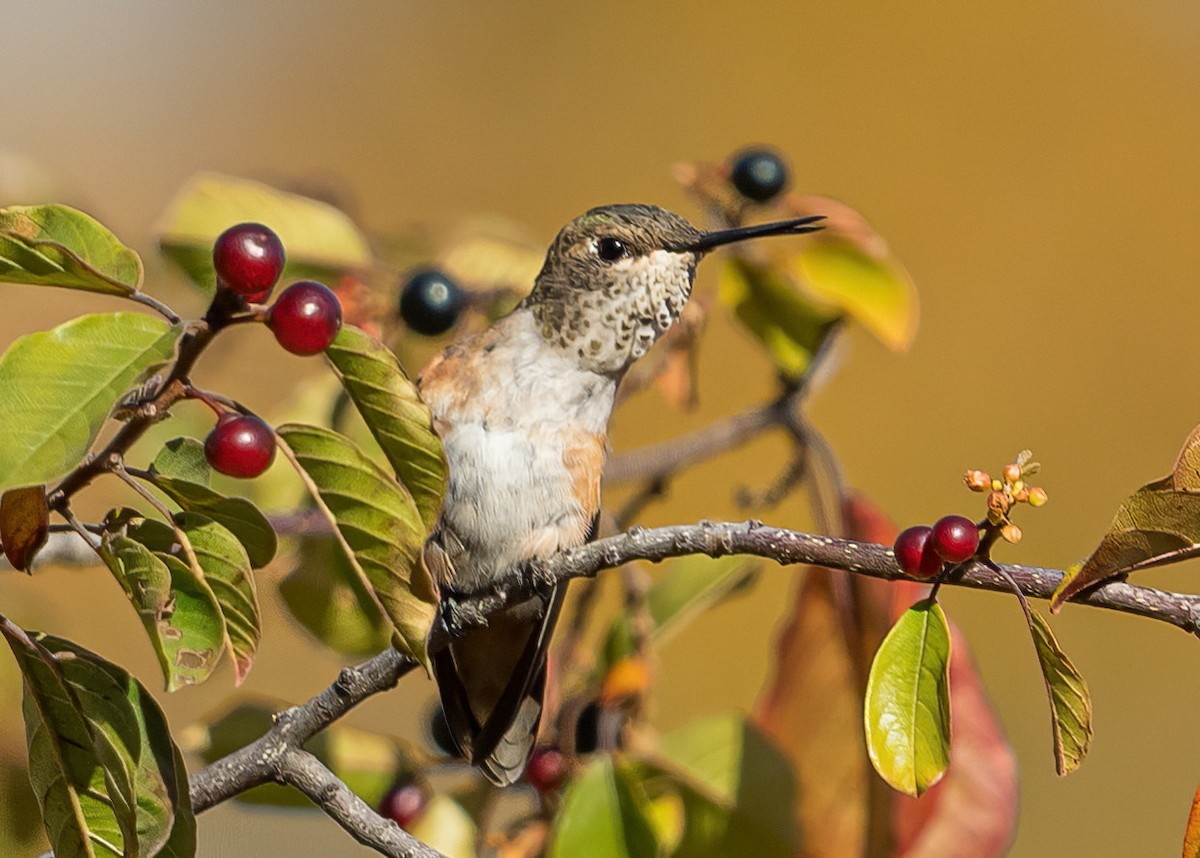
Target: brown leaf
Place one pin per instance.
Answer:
(812, 707)
(24, 524)
(1159, 520)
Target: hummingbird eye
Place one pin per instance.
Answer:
(610, 249)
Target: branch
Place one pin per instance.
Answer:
(306, 773)
(266, 758)
(658, 461)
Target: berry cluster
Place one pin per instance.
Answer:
(921, 550)
(1008, 491)
(249, 260)
(305, 318)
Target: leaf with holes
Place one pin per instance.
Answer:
(108, 777)
(377, 523)
(321, 241)
(61, 246)
(222, 563)
(178, 609)
(907, 711)
(393, 411)
(60, 385)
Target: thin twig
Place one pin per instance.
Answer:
(156, 305)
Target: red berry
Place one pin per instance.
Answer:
(403, 804)
(240, 445)
(915, 554)
(955, 538)
(305, 318)
(547, 770)
(249, 259)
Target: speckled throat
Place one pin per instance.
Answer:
(606, 313)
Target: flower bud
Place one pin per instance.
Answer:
(1012, 472)
(977, 481)
(1037, 497)
(1011, 533)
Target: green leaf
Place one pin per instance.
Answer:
(790, 327)
(1070, 703)
(907, 712)
(178, 609)
(108, 777)
(872, 289)
(224, 567)
(60, 246)
(182, 459)
(367, 762)
(395, 414)
(605, 814)
(321, 241)
(378, 524)
(326, 595)
(238, 515)
(740, 792)
(686, 588)
(59, 385)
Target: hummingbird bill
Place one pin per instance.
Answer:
(522, 409)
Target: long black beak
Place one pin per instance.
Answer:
(708, 240)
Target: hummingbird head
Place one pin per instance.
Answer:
(617, 277)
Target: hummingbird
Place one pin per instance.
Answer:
(522, 409)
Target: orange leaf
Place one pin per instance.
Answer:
(1191, 837)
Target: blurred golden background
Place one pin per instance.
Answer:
(1034, 165)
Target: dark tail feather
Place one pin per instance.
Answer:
(502, 744)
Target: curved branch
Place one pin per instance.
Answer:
(263, 759)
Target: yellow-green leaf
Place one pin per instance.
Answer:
(1070, 702)
(61, 246)
(393, 411)
(320, 241)
(791, 327)
(378, 524)
(59, 386)
(326, 595)
(605, 814)
(875, 291)
(907, 712)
